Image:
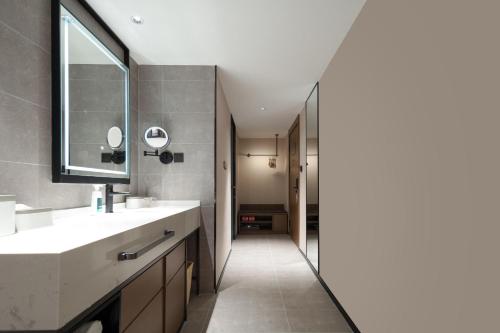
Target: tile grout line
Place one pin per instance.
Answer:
(279, 287)
(43, 108)
(25, 163)
(26, 38)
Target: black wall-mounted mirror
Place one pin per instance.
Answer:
(90, 101)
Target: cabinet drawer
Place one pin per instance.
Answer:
(140, 292)
(174, 260)
(175, 301)
(150, 320)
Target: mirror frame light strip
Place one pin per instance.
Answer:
(68, 19)
(77, 168)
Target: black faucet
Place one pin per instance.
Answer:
(109, 197)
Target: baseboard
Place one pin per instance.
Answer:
(334, 299)
(223, 271)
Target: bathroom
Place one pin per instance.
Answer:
(147, 131)
(249, 166)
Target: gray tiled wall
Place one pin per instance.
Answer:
(25, 109)
(181, 99)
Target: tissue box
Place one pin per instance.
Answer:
(138, 202)
(33, 218)
(7, 214)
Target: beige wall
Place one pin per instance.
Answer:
(258, 183)
(410, 163)
(223, 182)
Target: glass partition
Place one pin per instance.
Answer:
(312, 179)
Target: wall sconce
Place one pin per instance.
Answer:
(272, 159)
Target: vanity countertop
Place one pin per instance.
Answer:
(78, 227)
(52, 274)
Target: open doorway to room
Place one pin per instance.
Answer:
(261, 180)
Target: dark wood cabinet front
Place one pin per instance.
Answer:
(155, 301)
(175, 300)
(150, 319)
(138, 293)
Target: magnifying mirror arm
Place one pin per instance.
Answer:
(155, 153)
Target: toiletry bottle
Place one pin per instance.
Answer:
(96, 199)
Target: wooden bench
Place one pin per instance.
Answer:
(262, 218)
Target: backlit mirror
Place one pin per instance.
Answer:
(156, 137)
(93, 118)
(312, 180)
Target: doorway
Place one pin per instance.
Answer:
(294, 180)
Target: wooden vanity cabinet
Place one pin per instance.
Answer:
(175, 300)
(139, 293)
(150, 319)
(155, 301)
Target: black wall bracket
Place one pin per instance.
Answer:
(167, 156)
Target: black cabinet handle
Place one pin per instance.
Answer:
(122, 256)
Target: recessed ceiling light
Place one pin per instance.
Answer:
(262, 109)
(137, 19)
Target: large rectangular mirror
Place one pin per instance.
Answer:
(312, 179)
(92, 132)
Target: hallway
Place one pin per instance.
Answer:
(267, 287)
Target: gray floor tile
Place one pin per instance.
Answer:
(267, 287)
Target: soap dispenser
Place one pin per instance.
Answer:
(97, 200)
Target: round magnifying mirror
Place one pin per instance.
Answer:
(115, 137)
(156, 137)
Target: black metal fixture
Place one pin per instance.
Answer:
(109, 197)
(117, 157)
(272, 157)
(166, 157)
(157, 138)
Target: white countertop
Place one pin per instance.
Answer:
(78, 227)
(52, 274)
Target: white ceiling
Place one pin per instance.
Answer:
(269, 52)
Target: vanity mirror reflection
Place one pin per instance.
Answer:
(312, 179)
(91, 138)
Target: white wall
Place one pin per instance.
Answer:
(223, 182)
(258, 183)
(409, 167)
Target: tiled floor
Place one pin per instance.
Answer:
(267, 287)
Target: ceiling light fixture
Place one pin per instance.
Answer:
(137, 19)
(262, 109)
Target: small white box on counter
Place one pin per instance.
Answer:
(33, 218)
(7, 214)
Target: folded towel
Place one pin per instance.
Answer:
(91, 327)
